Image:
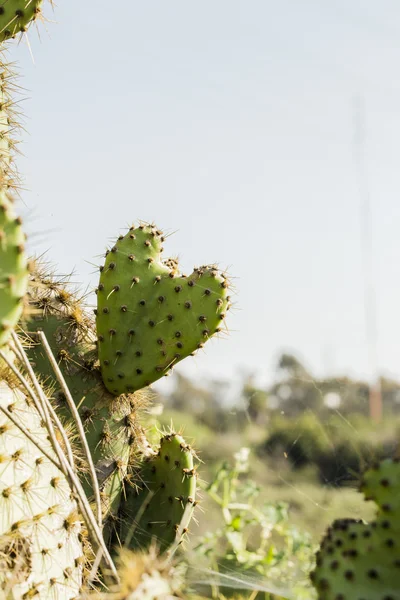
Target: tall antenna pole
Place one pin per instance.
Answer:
(370, 312)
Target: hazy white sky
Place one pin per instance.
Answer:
(230, 122)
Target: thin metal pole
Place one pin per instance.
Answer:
(370, 307)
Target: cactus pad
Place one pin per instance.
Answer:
(13, 268)
(41, 553)
(161, 510)
(360, 560)
(148, 317)
(15, 16)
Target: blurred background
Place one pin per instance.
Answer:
(264, 136)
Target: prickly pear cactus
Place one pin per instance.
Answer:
(360, 560)
(13, 263)
(41, 553)
(16, 15)
(13, 268)
(148, 317)
(160, 511)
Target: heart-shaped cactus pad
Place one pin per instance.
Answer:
(361, 561)
(148, 316)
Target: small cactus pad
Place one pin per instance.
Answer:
(41, 554)
(13, 268)
(360, 560)
(161, 510)
(148, 317)
(15, 16)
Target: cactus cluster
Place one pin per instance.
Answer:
(80, 485)
(93, 370)
(148, 495)
(71, 395)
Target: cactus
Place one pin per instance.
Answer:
(41, 552)
(16, 15)
(148, 317)
(360, 560)
(13, 263)
(13, 268)
(41, 539)
(110, 423)
(160, 508)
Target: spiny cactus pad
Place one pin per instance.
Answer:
(148, 317)
(15, 16)
(359, 560)
(41, 554)
(161, 510)
(13, 268)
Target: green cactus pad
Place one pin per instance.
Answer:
(360, 560)
(161, 509)
(13, 268)
(41, 553)
(15, 16)
(148, 317)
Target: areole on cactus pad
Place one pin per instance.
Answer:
(148, 316)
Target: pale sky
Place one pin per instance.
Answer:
(230, 123)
